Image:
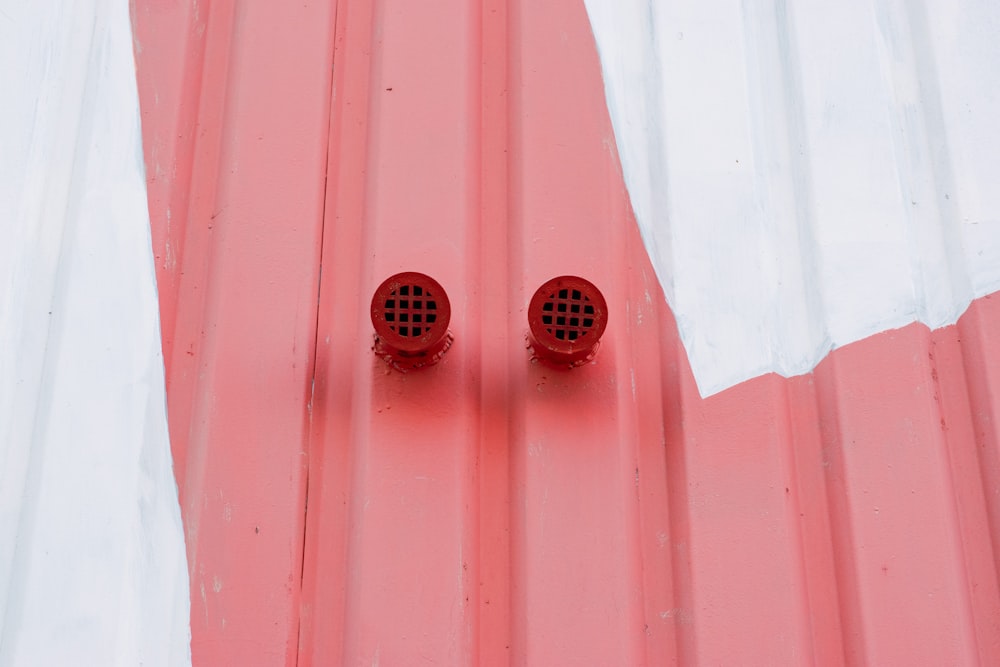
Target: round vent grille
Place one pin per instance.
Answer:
(567, 316)
(411, 312)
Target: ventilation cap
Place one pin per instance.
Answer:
(411, 312)
(567, 316)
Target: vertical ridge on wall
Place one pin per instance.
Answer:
(981, 586)
(335, 405)
(842, 541)
(806, 414)
(170, 61)
(977, 334)
(652, 368)
(982, 369)
(677, 615)
(197, 283)
(497, 249)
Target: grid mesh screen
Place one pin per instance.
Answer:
(568, 314)
(410, 311)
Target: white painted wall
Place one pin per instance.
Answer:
(92, 560)
(808, 173)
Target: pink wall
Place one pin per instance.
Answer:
(487, 510)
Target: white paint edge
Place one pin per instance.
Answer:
(92, 561)
(805, 176)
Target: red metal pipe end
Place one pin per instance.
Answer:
(567, 317)
(411, 312)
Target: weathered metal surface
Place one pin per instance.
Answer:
(489, 509)
(235, 102)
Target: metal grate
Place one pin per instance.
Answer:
(410, 311)
(568, 314)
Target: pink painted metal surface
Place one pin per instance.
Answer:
(488, 510)
(235, 100)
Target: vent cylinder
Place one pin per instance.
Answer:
(410, 313)
(566, 316)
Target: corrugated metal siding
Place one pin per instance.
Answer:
(487, 509)
(235, 104)
(807, 175)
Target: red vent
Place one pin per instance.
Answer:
(567, 317)
(410, 312)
